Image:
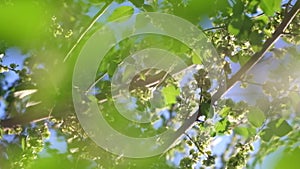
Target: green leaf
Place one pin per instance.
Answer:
(233, 30)
(112, 68)
(255, 38)
(120, 12)
(267, 134)
(148, 8)
(222, 125)
(243, 131)
(289, 159)
(23, 143)
(205, 110)
(196, 59)
(137, 3)
(246, 132)
(243, 59)
(270, 6)
(283, 129)
(170, 93)
(251, 131)
(238, 8)
(225, 111)
(256, 117)
(263, 18)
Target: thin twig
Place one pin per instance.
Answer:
(94, 84)
(196, 144)
(213, 28)
(94, 20)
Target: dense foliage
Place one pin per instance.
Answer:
(39, 127)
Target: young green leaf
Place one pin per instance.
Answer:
(225, 111)
(283, 129)
(170, 93)
(256, 117)
(120, 12)
(222, 126)
(233, 30)
(243, 131)
(267, 134)
(196, 59)
(270, 6)
(23, 143)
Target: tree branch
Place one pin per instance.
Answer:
(254, 60)
(94, 20)
(213, 28)
(259, 55)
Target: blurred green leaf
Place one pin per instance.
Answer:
(280, 127)
(270, 6)
(196, 59)
(137, 3)
(22, 22)
(148, 8)
(256, 117)
(238, 8)
(170, 93)
(222, 125)
(121, 12)
(246, 132)
(225, 111)
(267, 134)
(289, 159)
(234, 28)
(243, 131)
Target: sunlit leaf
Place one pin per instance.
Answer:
(22, 23)
(246, 132)
(196, 59)
(170, 93)
(289, 159)
(225, 111)
(243, 59)
(256, 117)
(148, 8)
(270, 6)
(243, 131)
(137, 3)
(222, 126)
(121, 12)
(233, 30)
